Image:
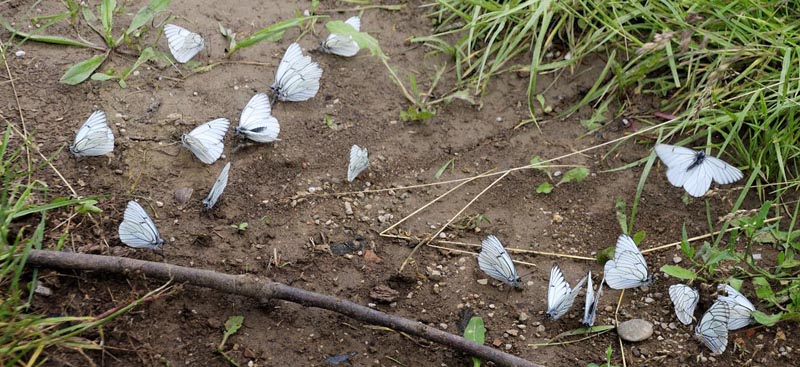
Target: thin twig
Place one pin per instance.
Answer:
(19, 107)
(257, 288)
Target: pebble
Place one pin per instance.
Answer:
(541, 329)
(635, 330)
(348, 208)
(523, 317)
(483, 281)
(677, 259)
(512, 332)
(43, 291)
(435, 275)
(649, 300)
(19, 53)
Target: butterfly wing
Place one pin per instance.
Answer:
(218, 188)
(297, 78)
(359, 161)
(559, 295)
(94, 137)
(205, 141)
(712, 329)
(256, 122)
(628, 269)
(137, 230)
(741, 309)
(355, 22)
(685, 299)
(183, 44)
(495, 261)
(722, 173)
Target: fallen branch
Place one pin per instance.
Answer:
(253, 287)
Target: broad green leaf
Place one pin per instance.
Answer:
(638, 237)
(767, 320)
(103, 77)
(679, 272)
(414, 114)
(440, 172)
(536, 161)
(88, 206)
(146, 14)
(606, 254)
(273, 33)
(544, 188)
(42, 38)
(82, 70)
(233, 324)
(735, 283)
(107, 8)
(577, 174)
(763, 289)
(88, 15)
(363, 39)
(476, 332)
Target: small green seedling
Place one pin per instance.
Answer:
(476, 332)
(233, 325)
(241, 227)
(451, 164)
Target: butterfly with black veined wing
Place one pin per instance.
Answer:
(297, 78)
(741, 309)
(205, 141)
(256, 122)
(685, 299)
(712, 329)
(342, 45)
(137, 230)
(592, 299)
(217, 189)
(359, 161)
(495, 261)
(183, 43)
(94, 137)
(694, 170)
(628, 269)
(559, 295)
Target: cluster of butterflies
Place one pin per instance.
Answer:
(692, 170)
(297, 79)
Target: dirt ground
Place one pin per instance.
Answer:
(149, 165)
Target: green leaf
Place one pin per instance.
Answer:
(57, 40)
(622, 217)
(82, 70)
(679, 272)
(107, 8)
(763, 289)
(88, 206)
(88, 15)
(735, 283)
(606, 254)
(329, 122)
(233, 324)
(638, 237)
(536, 161)
(363, 40)
(103, 77)
(686, 247)
(414, 114)
(146, 14)
(767, 320)
(440, 172)
(577, 174)
(476, 332)
(273, 33)
(544, 188)
(146, 55)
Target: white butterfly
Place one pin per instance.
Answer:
(495, 261)
(217, 189)
(712, 329)
(741, 310)
(559, 296)
(183, 43)
(256, 122)
(628, 269)
(94, 137)
(359, 161)
(685, 299)
(694, 170)
(342, 45)
(592, 299)
(297, 78)
(137, 230)
(205, 141)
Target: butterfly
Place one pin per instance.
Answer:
(592, 299)
(741, 310)
(495, 261)
(205, 141)
(342, 45)
(559, 296)
(694, 170)
(183, 43)
(137, 230)
(359, 161)
(685, 300)
(94, 137)
(628, 269)
(217, 189)
(712, 329)
(297, 78)
(256, 122)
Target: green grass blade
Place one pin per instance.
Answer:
(56, 40)
(146, 14)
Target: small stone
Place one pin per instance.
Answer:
(443, 326)
(508, 346)
(483, 281)
(649, 300)
(523, 317)
(556, 173)
(557, 218)
(383, 293)
(43, 291)
(541, 329)
(160, 204)
(435, 275)
(512, 332)
(497, 342)
(608, 309)
(348, 208)
(677, 259)
(370, 256)
(174, 117)
(635, 330)
(19, 53)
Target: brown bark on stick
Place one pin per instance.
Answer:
(253, 287)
